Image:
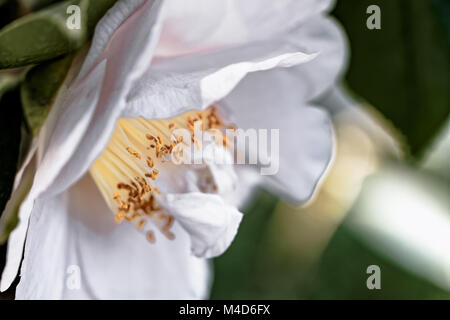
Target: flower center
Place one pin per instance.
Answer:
(128, 170)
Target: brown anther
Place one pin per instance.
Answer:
(150, 162)
(133, 153)
(150, 236)
(171, 125)
(166, 227)
(141, 223)
(116, 197)
(224, 141)
(119, 217)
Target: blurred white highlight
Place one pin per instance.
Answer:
(405, 216)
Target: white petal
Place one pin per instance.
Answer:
(91, 107)
(43, 176)
(127, 54)
(96, 99)
(105, 30)
(323, 35)
(202, 25)
(217, 163)
(21, 187)
(305, 133)
(218, 84)
(176, 85)
(185, 83)
(224, 176)
(248, 180)
(15, 244)
(210, 223)
(75, 232)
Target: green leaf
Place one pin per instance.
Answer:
(10, 134)
(32, 5)
(402, 69)
(13, 9)
(39, 90)
(43, 35)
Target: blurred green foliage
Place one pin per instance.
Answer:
(442, 7)
(403, 69)
(255, 267)
(341, 274)
(235, 267)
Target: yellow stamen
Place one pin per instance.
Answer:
(128, 168)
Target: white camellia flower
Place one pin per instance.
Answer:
(107, 216)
